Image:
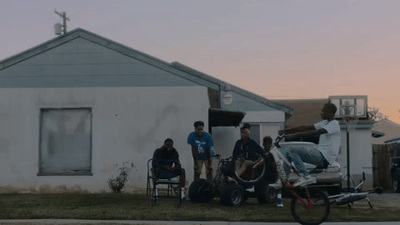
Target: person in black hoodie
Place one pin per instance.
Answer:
(166, 163)
(245, 153)
(246, 148)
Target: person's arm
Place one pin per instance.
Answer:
(236, 153)
(297, 129)
(157, 161)
(191, 142)
(258, 149)
(208, 154)
(210, 144)
(177, 162)
(305, 134)
(194, 152)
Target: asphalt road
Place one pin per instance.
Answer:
(135, 222)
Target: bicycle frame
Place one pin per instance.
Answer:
(351, 197)
(302, 208)
(278, 157)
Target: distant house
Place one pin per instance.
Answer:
(74, 108)
(307, 111)
(390, 129)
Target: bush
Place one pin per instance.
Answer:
(116, 184)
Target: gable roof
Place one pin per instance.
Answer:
(391, 130)
(234, 88)
(102, 41)
(175, 68)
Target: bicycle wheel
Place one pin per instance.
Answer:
(310, 213)
(253, 170)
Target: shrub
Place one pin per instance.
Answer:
(117, 183)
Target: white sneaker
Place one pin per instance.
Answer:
(250, 189)
(305, 180)
(277, 185)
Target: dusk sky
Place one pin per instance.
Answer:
(279, 49)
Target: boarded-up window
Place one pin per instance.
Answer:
(65, 142)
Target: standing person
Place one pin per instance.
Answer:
(202, 150)
(166, 164)
(272, 173)
(323, 154)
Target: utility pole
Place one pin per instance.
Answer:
(64, 17)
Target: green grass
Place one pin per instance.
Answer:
(139, 207)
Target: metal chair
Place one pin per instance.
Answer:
(172, 186)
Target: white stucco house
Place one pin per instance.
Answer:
(76, 107)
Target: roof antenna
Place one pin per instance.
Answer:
(61, 29)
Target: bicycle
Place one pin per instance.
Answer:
(352, 196)
(309, 205)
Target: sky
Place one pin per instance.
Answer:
(279, 49)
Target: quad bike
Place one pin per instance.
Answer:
(233, 184)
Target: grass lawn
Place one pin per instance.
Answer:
(139, 207)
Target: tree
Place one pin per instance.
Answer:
(375, 114)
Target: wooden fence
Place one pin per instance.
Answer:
(381, 165)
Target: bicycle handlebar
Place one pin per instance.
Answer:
(279, 139)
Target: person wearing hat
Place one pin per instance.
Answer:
(245, 152)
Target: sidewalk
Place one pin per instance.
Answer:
(142, 222)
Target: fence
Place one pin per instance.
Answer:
(381, 165)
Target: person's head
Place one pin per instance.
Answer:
(198, 128)
(244, 133)
(168, 144)
(267, 142)
(328, 111)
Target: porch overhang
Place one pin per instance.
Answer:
(224, 118)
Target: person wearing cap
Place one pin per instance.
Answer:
(166, 164)
(202, 150)
(245, 153)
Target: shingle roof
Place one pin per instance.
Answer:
(305, 111)
(174, 68)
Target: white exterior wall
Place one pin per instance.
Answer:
(128, 124)
(360, 156)
(225, 139)
(270, 122)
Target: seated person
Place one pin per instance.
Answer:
(246, 154)
(164, 166)
(320, 155)
(271, 174)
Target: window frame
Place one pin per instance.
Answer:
(77, 173)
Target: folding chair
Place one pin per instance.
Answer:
(172, 186)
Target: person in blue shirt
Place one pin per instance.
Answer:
(202, 150)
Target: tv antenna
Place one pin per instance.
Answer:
(61, 29)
